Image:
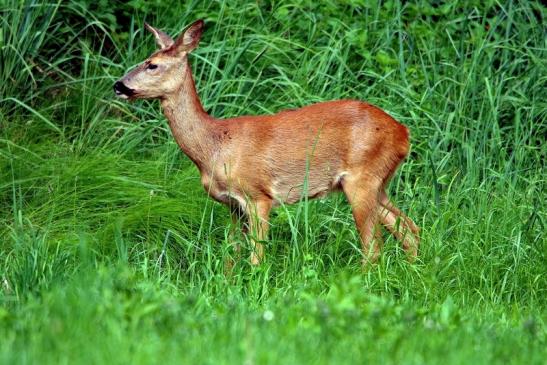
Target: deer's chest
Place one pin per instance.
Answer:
(219, 188)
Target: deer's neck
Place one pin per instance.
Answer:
(191, 126)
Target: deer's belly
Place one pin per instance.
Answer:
(311, 187)
(283, 189)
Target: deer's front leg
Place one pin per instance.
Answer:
(258, 213)
(236, 215)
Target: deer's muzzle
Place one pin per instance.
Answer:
(121, 90)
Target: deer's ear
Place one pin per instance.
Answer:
(162, 39)
(189, 40)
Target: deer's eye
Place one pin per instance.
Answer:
(151, 66)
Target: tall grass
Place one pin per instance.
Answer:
(111, 251)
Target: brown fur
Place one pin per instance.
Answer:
(253, 163)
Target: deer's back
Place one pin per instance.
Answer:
(310, 148)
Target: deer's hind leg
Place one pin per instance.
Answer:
(401, 226)
(362, 194)
(387, 204)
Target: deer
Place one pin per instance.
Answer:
(255, 163)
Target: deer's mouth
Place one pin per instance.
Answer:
(123, 91)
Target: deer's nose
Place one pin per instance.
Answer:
(121, 89)
(117, 87)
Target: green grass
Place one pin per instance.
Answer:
(111, 252)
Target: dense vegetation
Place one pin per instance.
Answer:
(111, 252)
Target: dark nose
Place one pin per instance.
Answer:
(120, 88)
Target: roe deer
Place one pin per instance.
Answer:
(253, 163)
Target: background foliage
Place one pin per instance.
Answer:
(110, 250)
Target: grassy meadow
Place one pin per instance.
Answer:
(112, 253)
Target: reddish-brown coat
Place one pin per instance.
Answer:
(255, 162)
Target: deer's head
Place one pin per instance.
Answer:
(164, 71)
